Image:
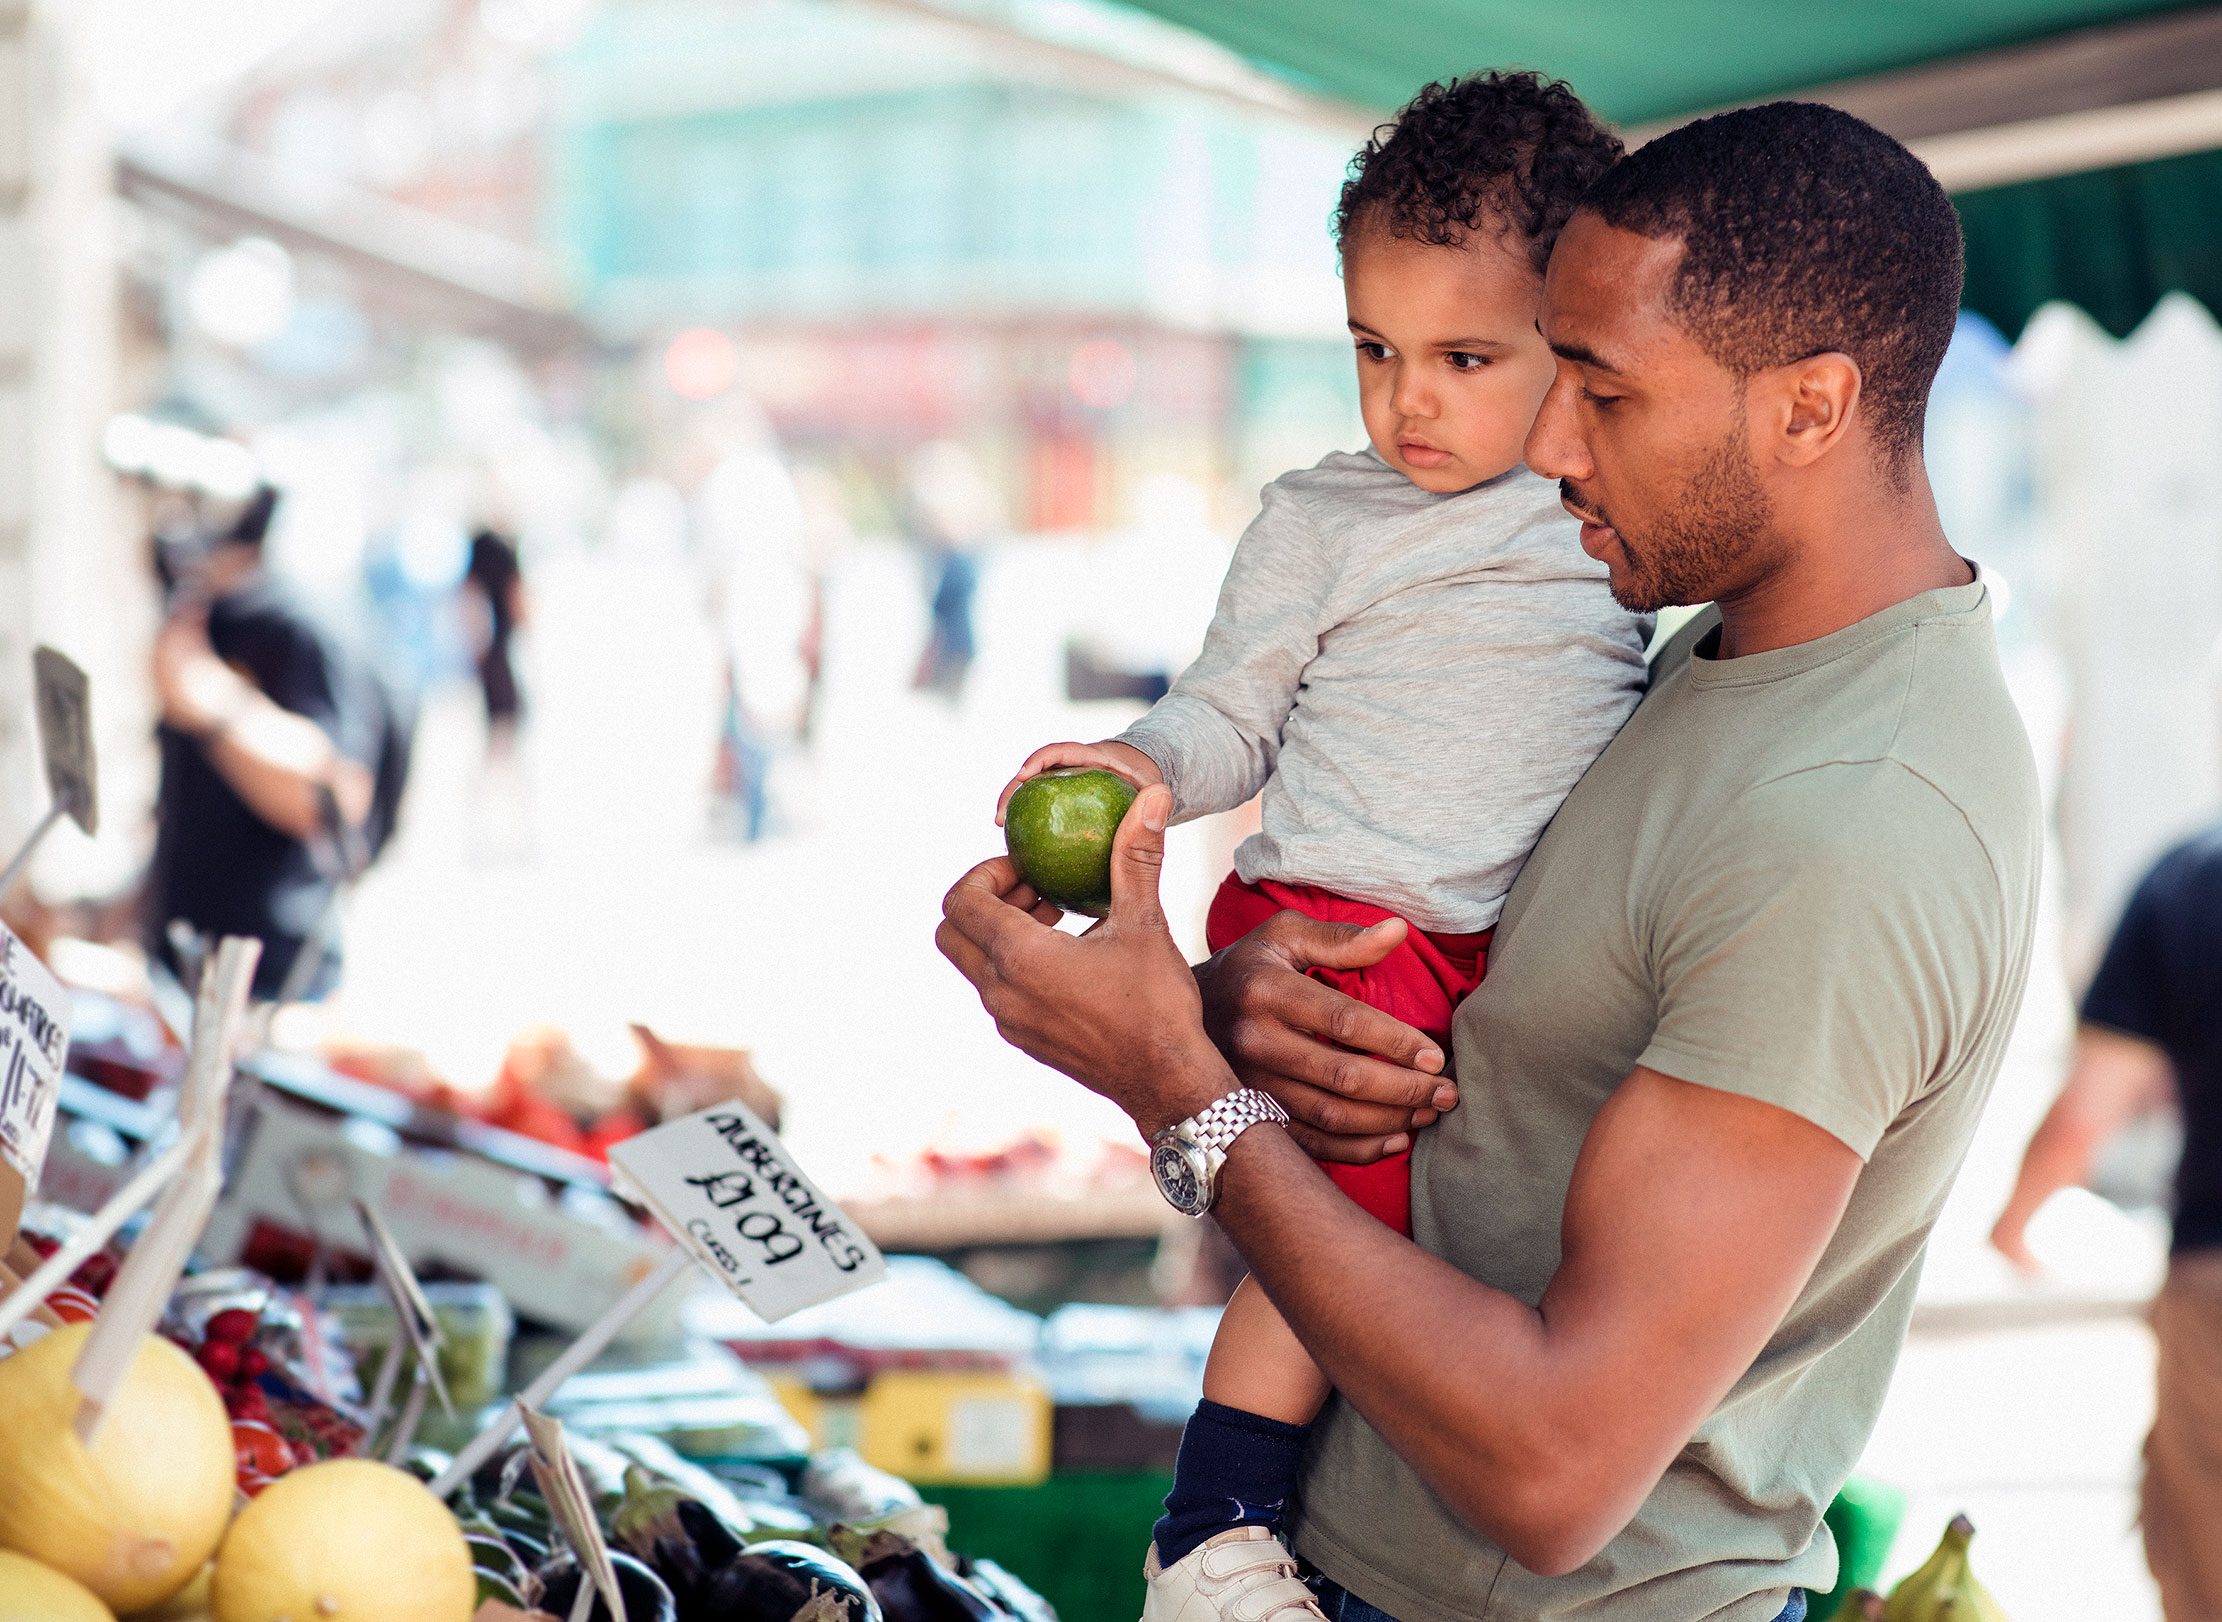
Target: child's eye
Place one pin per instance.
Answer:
(1465, 360)
(1375, 352)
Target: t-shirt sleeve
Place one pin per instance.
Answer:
(1216, 735)
(2128, 994)
(1814, 958)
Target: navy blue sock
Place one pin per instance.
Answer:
(1234, 1469)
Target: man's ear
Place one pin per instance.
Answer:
(1814, 402)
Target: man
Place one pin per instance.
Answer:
(2152, 1031)
(1747, 997)
(271, 735)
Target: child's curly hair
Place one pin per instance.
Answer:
(1508, 151)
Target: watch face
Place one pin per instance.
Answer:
(1178, 1168)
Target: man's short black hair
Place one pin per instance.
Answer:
(1509, 152)
(1804, 230)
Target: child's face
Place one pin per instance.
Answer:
(1451, 369)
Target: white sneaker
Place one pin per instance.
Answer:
(1241, 1575)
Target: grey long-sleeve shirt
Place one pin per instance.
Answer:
(1412, 681)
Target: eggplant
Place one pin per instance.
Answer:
(503, 1573)
(753, 1503)
(646, 1598)
(785, 1581)
(1008, 1593)
(680, 1538)
(839, 1483)
(911, 1586)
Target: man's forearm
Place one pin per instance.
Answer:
(1453, 1374)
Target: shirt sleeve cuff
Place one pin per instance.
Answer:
(1833, 1112)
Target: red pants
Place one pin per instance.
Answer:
(1422, 983)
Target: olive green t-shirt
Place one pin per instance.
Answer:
(1807, 876)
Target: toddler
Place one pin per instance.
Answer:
(1412, 662)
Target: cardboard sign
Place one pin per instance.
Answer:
(573, 1507)
(34, 1042)
(722, 1183)
(66, 736)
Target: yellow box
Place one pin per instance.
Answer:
(831, 1420)
(971, 1428)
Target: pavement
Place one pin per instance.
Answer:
(595, 891)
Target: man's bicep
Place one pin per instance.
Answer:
(1692, 1221)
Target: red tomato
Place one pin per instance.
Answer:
(73, 1305)
(262, 1454)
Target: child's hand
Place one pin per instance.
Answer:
(1110, 756)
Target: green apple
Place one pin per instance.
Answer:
(1058, 829)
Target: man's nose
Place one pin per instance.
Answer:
(1555, 448)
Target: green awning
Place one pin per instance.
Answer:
(2112, 241)
(1633, 60)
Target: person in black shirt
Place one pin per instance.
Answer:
(270, 737)
(497, 578)
(2151, 1031)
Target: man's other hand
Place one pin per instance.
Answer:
(1356, 1082)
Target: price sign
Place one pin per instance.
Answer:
(34, 1040)
(66, 735)
(722, 1183)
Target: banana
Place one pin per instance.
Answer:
(1860, 1605)
(1944, 1589)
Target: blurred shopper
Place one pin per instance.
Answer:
(763, 603)
(952, 513)
(493, 589)
(495, 579)
(2152, 1031)
(282, 761)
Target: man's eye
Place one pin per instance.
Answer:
(1465, 360)
(1374, 351)
(1601, 401)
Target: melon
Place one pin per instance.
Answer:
(348, 1540)
(30, 1592)
(136, 1514)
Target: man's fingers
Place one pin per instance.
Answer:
(1335, 1116)
(1311, 943)
(1306, 1004)
(1138, 860)
(1346, 1151)
(991, 880)
(959, 949)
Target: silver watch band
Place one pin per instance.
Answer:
(1215, 1128)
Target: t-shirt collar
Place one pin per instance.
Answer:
(1945, 603)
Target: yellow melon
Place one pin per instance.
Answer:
(135, 1515)
(30, 1592)
(348, 1540)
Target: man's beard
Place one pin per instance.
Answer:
(1702, 544)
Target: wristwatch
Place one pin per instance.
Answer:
(1185, 1159)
